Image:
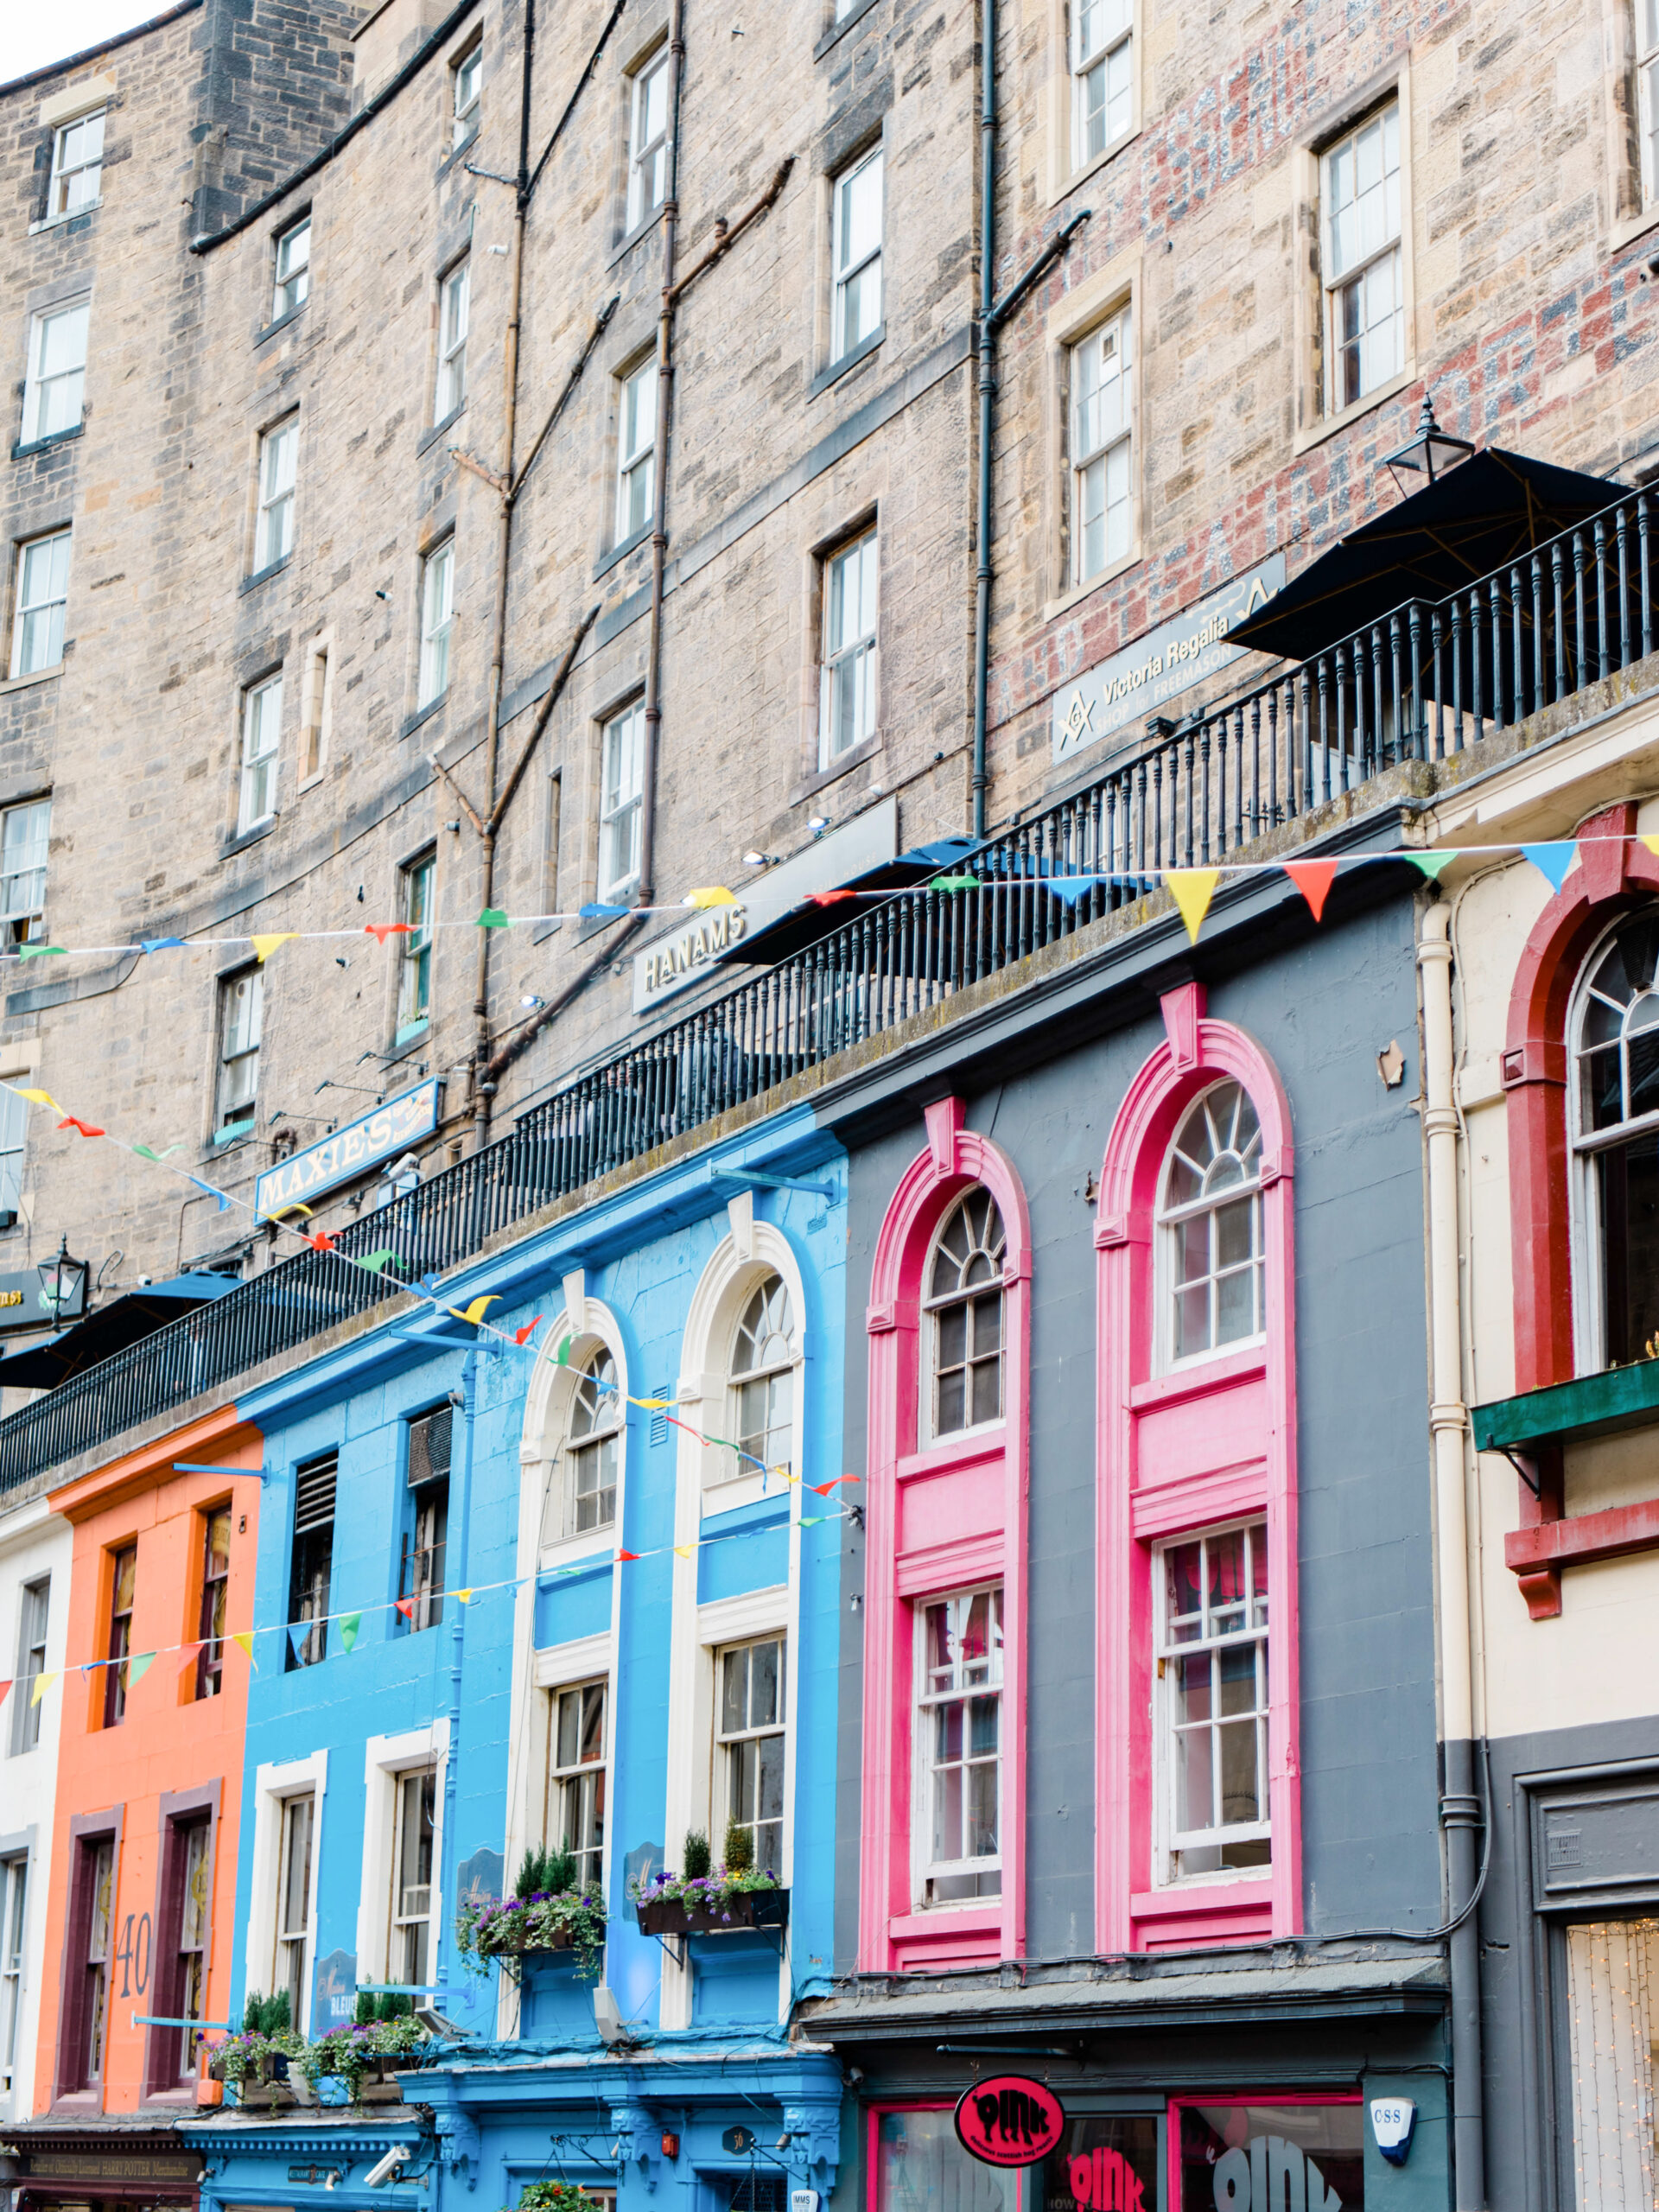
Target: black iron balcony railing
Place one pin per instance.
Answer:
(1426, 680)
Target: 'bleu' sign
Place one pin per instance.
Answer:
(339, 1159)
(1133, 684)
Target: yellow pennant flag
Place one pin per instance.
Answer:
(652, 1405)
(711, 894)
(683, 1551)
(1652, 844)
(1193, 888)
(41, 1098)
(475, 1311)
(264, 946)
(42, 1683)
(465, 1596)
(245, 1637)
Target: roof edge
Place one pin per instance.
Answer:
(104, 46)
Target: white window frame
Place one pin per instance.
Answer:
(591, 1327)
(77, 154)
(455, 313)
(316, 708)
(413, 979)
(587, 1777)
(275, 1783)
(15, 1872)
(23, 869)
(727, 1748)
(607, 1424)
(14, 1147)
(262, 746)
(847, 263)
(228, 1110)
(648, 158)
(925, 1868)
(466, 88)
(404, 1928)
(42, 398)
(636, 447)
(1584, 1149)
(725, 1467)
(277, 488)
(1108, 57)
(25, 1729)
(292, 285)
(858, 648)
(1100, 377)
(386, 1759)
(30, 602)
(1645, 36)
(1169, 1841)
(621, 800)
(437, 623)
(1386, 250)
(932, 1305)
(1171, 1218)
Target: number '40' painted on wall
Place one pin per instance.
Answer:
(133, 1956)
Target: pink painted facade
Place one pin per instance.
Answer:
(941, 1517)
(1210, 1441)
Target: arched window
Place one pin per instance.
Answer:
(593, 1446)
(763, 1384)
(1615, 1126)
(964, 1297)
(1211, 1217)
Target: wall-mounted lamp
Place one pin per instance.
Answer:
(62, 1281)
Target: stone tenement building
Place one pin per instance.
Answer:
(338, 453)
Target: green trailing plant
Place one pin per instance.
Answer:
(253, 2053)
(554, 2197)
(568, 1919)
(346, 2054)
(694, 1855)
(740, 1848)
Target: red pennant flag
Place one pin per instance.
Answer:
(86, 1127)
(405, 1606)
(824, 1488)
(4, 1686)
(627, 1554)
(1313, 880)
(523, 1336)
(829, 898)
(381, 930)
(321, 1241)
(187, 1656)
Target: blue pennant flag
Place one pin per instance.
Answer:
(224, 1206)
(1073, 887)
(159, 944)
(298, 1631)
(596, 911)
(1552, 861)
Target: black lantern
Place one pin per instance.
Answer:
(1430, 454)
(63, 1280)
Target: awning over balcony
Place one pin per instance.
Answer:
(803, 925)
(1471, 523)
(110, 1330)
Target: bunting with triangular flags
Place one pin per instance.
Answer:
(1193, 888)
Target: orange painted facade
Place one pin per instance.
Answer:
(143, 1885)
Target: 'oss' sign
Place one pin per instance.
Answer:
(1009, 2121)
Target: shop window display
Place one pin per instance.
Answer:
(921, 2167)
(1105, 2163)
(1249, 2157)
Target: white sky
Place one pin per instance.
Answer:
(30, 37)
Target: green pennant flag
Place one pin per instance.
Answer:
(349, 1625)
(144, 1152)
(561, 1358)
(40, 951)
(138, 1666)
(953, 883)
(374, 1262)
(492, 918)
(1432, 864)
(811, 1520)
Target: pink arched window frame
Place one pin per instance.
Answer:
(940, 1516)
(1207, 1442)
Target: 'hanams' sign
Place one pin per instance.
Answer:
(1157, 668)
(391, 1129)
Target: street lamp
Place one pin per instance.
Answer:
(1430, 452)
(62, 1280)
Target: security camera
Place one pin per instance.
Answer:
(608, 2019)
(386, 2165)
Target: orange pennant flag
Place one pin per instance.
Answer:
(1193, 888)
(1313, 880)
(405, 1606)
(627, 1554)
(381, 930)
(87, 1129)
(321, 1241)
(523, 1336)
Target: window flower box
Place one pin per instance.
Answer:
(720, 1912)
(546, 1923)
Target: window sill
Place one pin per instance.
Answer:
(407, 1040)
(543, 931)
(621, 552)
(456, 154)
(848, 361)
(427, 439)
(625, 245)
(27, 450)
(62, 222)
(424, 714)
(1075, 181)
(982, 1914)
(843, 765)
(838, 31)
(1200, 1377)
(1329, 425)
(962, 1450)
(594, 1551)
(1563, 1413)
(263, 577)
(243, 838)
(38, 675)
(1054, 608)
(622, 896)
(1205, 1894)
(1626, 232)
(282, 323)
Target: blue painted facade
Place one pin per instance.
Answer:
(655, 1278)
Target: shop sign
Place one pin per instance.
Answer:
(1107, 2162)
(361, 1144)
(1009, 2121)
(710, 932)
(324, 2177)
(111, 2165)
(333, 1992)
(24, 1303)
(1158, 667)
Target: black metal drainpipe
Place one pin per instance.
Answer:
(993, 313)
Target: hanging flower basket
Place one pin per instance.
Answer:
(515, 1929)
(719, 1910)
